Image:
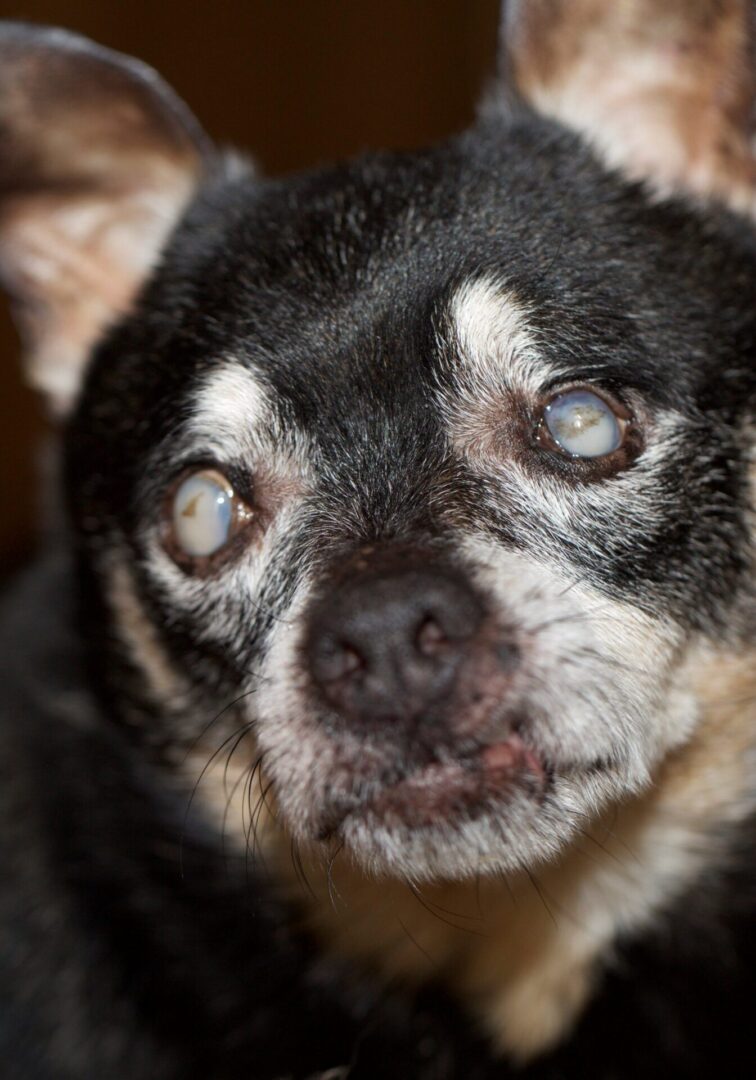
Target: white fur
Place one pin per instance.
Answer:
(230, 408)
(497, 348)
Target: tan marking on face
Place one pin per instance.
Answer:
(140, 637)
(525, 954)
(227, 786)
(664, 90)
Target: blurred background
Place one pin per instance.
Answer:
(297, 83)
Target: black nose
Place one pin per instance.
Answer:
(386, 644)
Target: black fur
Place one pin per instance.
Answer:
(132, 945)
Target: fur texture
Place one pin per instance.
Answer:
(535, 861)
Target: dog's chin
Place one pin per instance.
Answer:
(479, 812)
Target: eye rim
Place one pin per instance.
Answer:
(245, 520)
(600, 466)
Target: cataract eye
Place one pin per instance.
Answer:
(583, 424)
(205, 513)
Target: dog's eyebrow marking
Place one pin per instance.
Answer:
(495, 345)
(230, 407)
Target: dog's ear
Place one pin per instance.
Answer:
(98, 158)
(663, 88)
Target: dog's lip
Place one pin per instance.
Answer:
(444, 790)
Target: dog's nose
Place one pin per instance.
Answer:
(388, 645)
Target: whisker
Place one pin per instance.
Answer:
(242, 777)
(333, 893)
(208, 764)
(415, 942)
(299, 870)
(435, 912)
(256, 815)
(250, 832)
(226, 708)
(536, 886)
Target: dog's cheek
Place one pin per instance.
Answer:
(597, 675)
(137, 633)
(297, 756)
(211, 750)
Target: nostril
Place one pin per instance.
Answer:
(351, 661)
(430, 639)
(387, 643)
(337, 660)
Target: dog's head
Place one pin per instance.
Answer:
(424, 478)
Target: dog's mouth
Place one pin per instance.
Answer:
(449, 790)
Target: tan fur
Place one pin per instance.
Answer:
(139, 636)
(77, 264)
(663, 89)
(524, 953)
(99, 160)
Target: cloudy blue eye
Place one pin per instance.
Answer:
(203, 513)
(583, 425)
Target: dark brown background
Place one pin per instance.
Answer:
(297, 82)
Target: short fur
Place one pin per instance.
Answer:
(217, 869)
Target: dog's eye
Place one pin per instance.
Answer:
(584, 425)
(205, 514)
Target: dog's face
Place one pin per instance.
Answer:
(398, 464)
(423, 481)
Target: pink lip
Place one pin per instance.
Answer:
(444, 790)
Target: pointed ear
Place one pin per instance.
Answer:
(97, 160)
(663, 88)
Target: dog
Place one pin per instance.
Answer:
(385, 704)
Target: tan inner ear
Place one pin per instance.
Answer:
(663, 89)
(78, 262)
